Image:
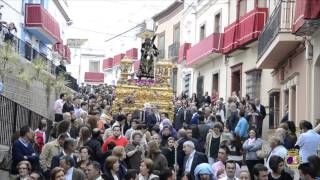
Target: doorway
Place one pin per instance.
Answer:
(200, 86)
(236, 78)
(215, 83)
(292, 105)
(274, 110)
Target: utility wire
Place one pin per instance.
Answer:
(138, 25)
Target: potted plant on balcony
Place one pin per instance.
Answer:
(7, 58)
(39, 65)
(60, 84)
(25, 77)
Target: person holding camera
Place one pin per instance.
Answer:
(135, 151)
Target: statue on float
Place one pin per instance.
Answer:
(149, 53)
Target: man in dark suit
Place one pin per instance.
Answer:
(206, 99)
(182, 138)
(71, 173)
(195, 116)
(179, 116)
(262, 111)
(69, 147)
(192, 158)
(61, 69)
(149, 117)
(22, 150)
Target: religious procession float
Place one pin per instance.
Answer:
(149, 86)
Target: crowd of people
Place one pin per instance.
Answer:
(207, 139)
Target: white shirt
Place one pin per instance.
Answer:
(258, 107)
(189, 161)
(69, 173)
(308, 143)
(58, 105)
(280, 151)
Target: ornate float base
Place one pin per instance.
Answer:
(133, 97)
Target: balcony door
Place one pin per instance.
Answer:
(215, 83)
(176, 33)
(217, 23)
(161, 45)
(274, 110)
(200, 86)
(236, 78)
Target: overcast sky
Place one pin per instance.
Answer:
(99, 20)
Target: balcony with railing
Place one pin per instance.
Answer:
(28, 52)
(42, 24)
(117, 59)
(183, 49)
(132, 53)
(307, 17)
(173, 51)
(94, 77)
(245, 30)
(208, 46)
(107, 63)
(277, 41)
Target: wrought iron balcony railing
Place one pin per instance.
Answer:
(280, 21)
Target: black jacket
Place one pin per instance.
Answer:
(56, 161)
(179, 118)
(197, 159)
(262, 111)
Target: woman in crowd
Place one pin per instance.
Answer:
(254, 118)
(213, 141)
(169, 152)
(203, 171)
(276, 165)
(220, 111)
(68, 106)
(84, 136)
(85, 153)
(112, 168)
(251, 146)
(233, 119)
(120, 153)
(146, 168)
(57, 173)
(291, 136)
(24, 169)
(242, 126)
(166, 133)
(159, 160)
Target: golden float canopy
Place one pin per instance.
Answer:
(131, 96)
